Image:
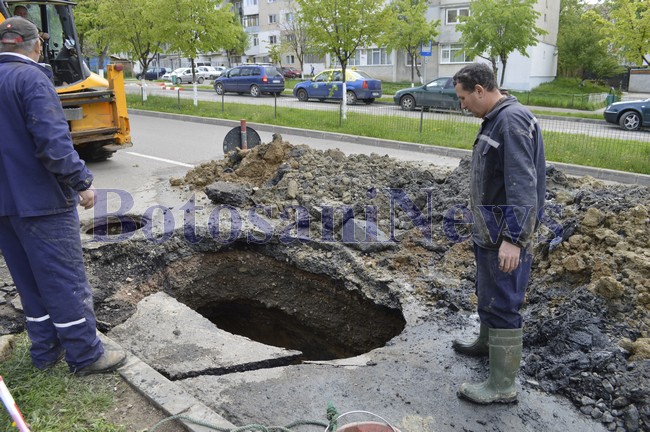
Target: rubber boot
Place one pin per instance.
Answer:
(475, 348)
(505, 356)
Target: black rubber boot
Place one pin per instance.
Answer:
(475, 348)
(505, 358)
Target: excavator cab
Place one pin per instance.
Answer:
(95, 107)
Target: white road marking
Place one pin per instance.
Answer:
(169, 161)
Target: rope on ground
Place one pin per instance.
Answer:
(247, 428)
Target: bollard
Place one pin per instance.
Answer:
(244, 141)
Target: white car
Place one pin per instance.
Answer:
(183, 75)
(209, 72)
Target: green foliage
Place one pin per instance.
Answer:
(626, 25)
(408, 28)
(275, 55)
(496, 28)
(55, 400)
(581, 51)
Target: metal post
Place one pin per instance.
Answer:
(244, 139)
(421, 119)
(223, 100)
(275, 106)
(178, 92)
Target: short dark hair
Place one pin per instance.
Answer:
(476, 73)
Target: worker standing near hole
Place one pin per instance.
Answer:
(42, 180)
(507, 192)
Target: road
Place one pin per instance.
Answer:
(593, 128)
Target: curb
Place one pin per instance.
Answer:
(574, 170)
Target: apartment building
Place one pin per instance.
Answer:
(266, 22)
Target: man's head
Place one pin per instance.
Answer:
(20, 36)
(477, 88)
(21, 11)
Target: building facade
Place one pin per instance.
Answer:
(267, 22)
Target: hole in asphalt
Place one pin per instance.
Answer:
(272, 302)
(115, 226)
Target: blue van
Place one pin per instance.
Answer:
(253, 79)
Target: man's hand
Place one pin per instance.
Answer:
(508, 256)
(87, 198)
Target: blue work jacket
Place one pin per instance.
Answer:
(40, 172)
(508, 177)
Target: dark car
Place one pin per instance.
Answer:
(153, 73)
(329, 85)
(630, 115)
(439, 93)
(253, 79)
(289, 72)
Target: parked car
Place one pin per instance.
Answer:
(209, 72)
(290, 72)
(253, 79)
(630, 115)
(329, 85)
(439, 93)
(153, 73)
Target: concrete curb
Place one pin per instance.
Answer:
(167, 395)
(574, 170)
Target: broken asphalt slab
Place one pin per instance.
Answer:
(411, 382)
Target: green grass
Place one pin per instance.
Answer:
(55, 400)
(563, 93)
(623, 155)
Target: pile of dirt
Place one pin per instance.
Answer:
(587, 316)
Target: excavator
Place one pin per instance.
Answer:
(94, 106)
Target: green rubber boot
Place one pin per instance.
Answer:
(505, 356)
(475, 348)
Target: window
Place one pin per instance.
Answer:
(273, 19)
(355, 60)
(454, 15)
(290, 59)
(256, 39)
(409, 60)
(273, 40)
(453, 54)
(251, 3)
(378, 56)
(251, 21)
(288, 17)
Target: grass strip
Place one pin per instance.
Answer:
(55, 400)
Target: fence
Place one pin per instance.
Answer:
(569, 140)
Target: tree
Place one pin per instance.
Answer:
(496, 28)
(408, 28)
(581, 52)
(132, 27)
(341, 26)
(91, 39)
(275, 55)
(197, 26)
(626, 24)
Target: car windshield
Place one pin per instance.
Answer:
(362, 74)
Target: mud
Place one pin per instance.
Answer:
(587, 314)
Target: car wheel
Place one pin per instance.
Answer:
(302, 95)
(200, 80)
(350, 98)
(255, 91)
(138, 76)
(407, 103)
(218, 87)
(630, 121)
(179, 80)
(368, 101)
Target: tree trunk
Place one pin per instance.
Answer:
(504, 61)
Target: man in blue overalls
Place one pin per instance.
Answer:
(42, 180)
(507, 189)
